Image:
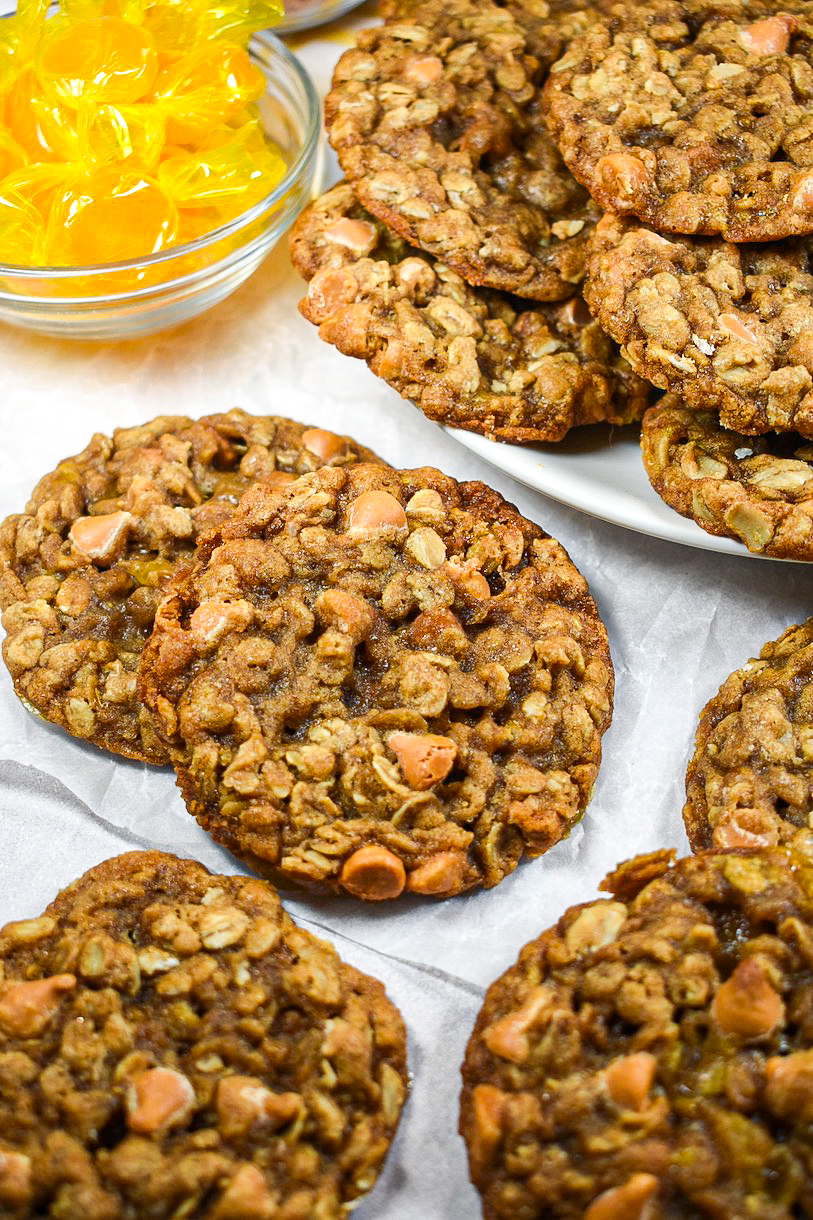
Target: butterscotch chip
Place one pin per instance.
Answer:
(750, 781)
(630, 1201)
(373, 873)
(368, 729)
(663, 1070)
(436, 120)
(728, 327)
(694, 116)
(84, 567)
(757, 489)
(469, 357)
(248, 1067)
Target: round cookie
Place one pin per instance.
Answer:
(650, 1056)
(84, 567)
(436, 121)
(380, 680)
(694, 116)
(469, 357)
(757, 489)
(750, 782)
(728, 327)
(173, 1045)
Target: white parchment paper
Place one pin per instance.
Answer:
(679, 621)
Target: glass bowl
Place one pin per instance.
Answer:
(141, 296)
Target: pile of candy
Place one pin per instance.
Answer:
(128, 126)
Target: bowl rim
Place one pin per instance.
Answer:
(313, 119)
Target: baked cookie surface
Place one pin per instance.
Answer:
(382, 680)
(469, 357)
(649, 1056)
(750, 781)
(436, 121)
(757, 489)
(173, 1045)
(695, 117)
(83, 569)
(728, 327)
(547, 24)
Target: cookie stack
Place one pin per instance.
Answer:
(452, 260)
(690, 123)
(469, 132)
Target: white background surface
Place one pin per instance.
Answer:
(679, 621)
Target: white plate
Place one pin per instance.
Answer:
(598, 470)
(312, 13)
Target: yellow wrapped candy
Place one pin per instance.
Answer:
(128, 126)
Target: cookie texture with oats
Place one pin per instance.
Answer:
(173, 1044)
(693, 116)
(436, 121)
(728, 327)
(650, 1055)
(469, 357)
(380, 681)
(547, 25)
(84, 567)
(750, 781)
(757, 489)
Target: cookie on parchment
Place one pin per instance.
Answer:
(469, 357)
(728, 327)
(381, 680)
(84, 567)
(435, 118)
(650, 1056)
(750, 781)
(695, 116)
(757, 489)
(173, 1045)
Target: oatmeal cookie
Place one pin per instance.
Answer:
(547, 24)
(381, 680)
(470, 357)
(758, 489)
(173, 1045)
(728, 327)
(436, 120)
(750, 781)
(694, 116)
(84, 567)
(651, 1055)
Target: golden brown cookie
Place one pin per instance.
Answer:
(436, 120)
(650, 1056)
(728, 327)
(757, 489)
(693, 115)
(173, 1045)
(381, 680)
(750, 781)
(469, 357)
(84, 567)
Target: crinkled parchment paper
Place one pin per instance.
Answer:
(679, 621)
